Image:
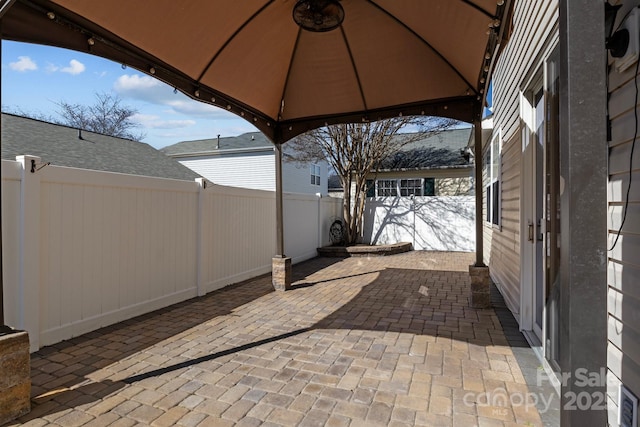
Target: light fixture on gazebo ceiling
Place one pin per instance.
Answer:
(318, 16)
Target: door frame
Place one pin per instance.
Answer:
(537, 81)
(530, 274)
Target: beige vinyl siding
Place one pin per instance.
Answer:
(535, 24)
(504, 246)
(623, 273)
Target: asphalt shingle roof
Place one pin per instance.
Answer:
(441, 150)
(62, 146)
(208, 146)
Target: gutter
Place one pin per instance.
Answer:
(469, 166)
(223, 152)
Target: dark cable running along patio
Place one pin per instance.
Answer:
(385, 58)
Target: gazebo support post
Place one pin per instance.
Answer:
(281, 264)
(479, 272)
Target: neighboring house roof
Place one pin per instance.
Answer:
(246, 142)
(63, 146)
(250, 142)
(445, 149)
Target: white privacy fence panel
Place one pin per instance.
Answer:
(442, 223)
(238, 235)
(307, 220)
(301, 218)
(85, 249)
(112, 246)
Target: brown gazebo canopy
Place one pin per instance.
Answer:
(385, 58)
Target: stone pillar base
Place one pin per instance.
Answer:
(480, 286)
(281, 273)
(15, 380)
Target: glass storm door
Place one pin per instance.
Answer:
(540, 209)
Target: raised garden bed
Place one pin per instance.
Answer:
(365, 250)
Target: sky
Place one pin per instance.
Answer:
(35, 78)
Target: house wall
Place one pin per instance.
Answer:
(85, 249)
(464, 172)
(535, 25)
(448, 181)
(256, 170)
(248, 170)
(453, 186)
(297, 178)
(623, 352)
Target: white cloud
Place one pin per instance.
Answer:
(149, 89)
(75, 67)
(143, 88)
(154, 122)
(24, 63)
(197, 108)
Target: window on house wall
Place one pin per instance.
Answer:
(387, 187)
(402, 187)
(492, 170)
(411, 187)
(315, 175)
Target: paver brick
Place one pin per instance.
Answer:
(125, 407)
(191, 419)
(191, 401)
(102, 421)
(123, 422)
(379, 413)
(74, 419)
(234, 394)
(238, 410)
(373, 341)
(261, 411)
(314, 418)
(403, 415)
(145, 414)
(285, 417)
(170, 417)
(352, 410)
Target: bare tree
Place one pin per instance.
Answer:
(37, 115)
(356, 150)
(107, 116)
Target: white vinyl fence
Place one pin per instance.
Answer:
(436, 223)
(84, 249)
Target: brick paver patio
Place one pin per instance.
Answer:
(358, 341)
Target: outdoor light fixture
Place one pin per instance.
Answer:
(318, 16)
(618, 42)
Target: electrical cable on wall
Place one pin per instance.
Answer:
(633, 145)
